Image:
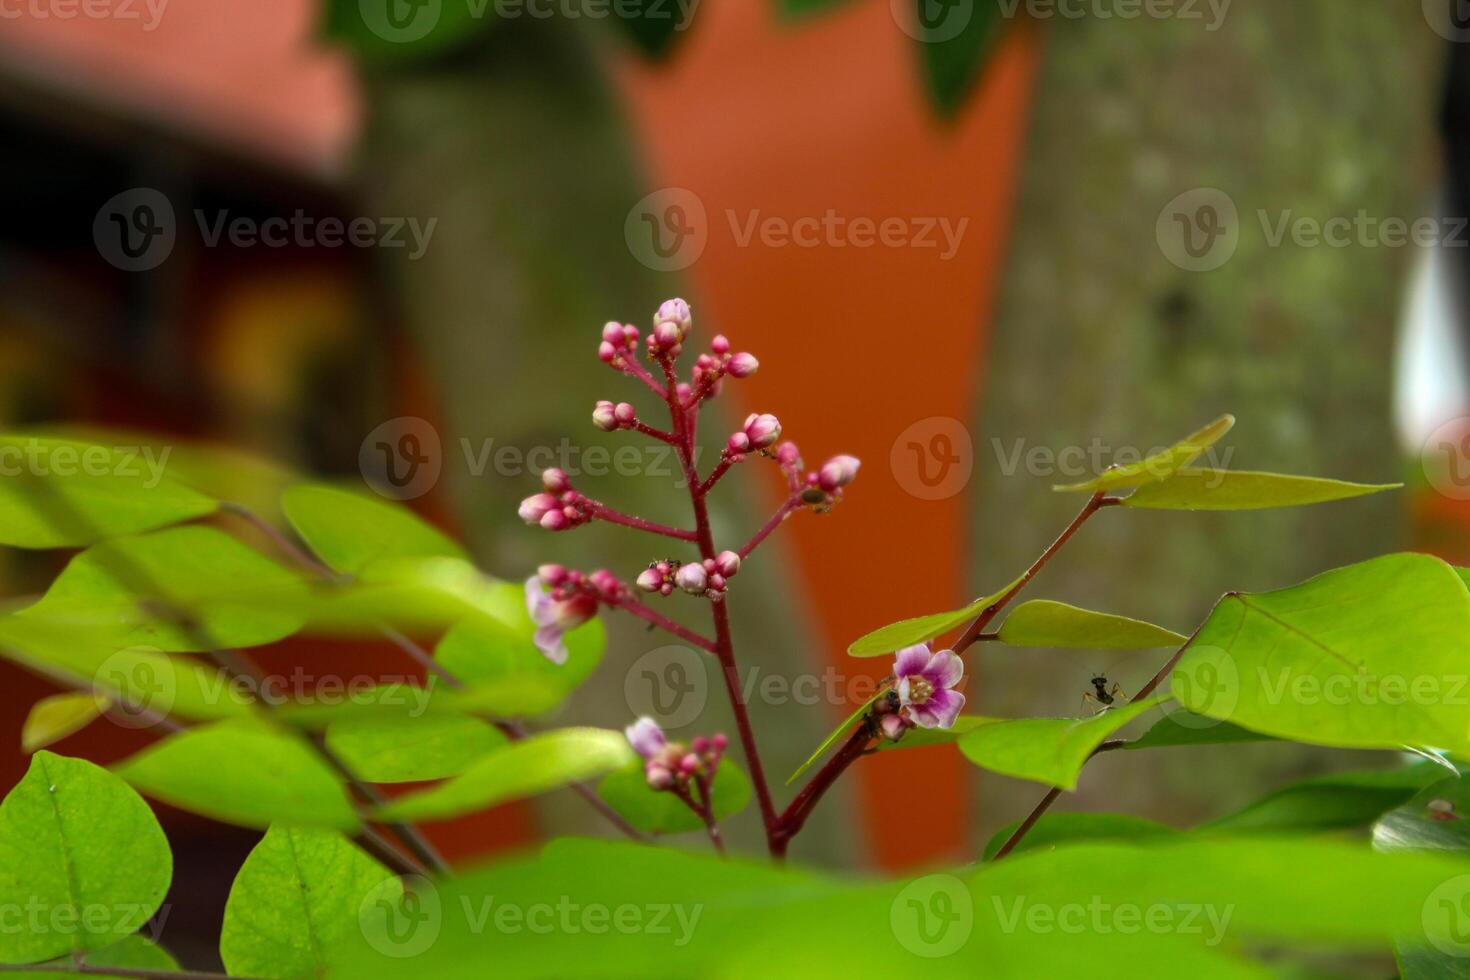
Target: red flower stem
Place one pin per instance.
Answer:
(658, 434)
(785, 510)
(636, 608)
(795, 816)
(635, 370)
(604, 513)
(715, 474)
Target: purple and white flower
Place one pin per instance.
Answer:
(554, 617)
(925, 685)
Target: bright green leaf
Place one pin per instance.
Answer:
(52, 719)
(919, 738)
(1044, 623)
(57, 493)
(1435, 819)
(921, 629)
(135, 952)
(1179, 727)
(78, 844)
(1205, 489)
(412, 749)
(1369, 656)
(244, 774)
(350, 531)
(133, 591)
(1069, 828)
(1047, 750)
(293, 911)
(661, 812)
(538, 764)
(1331, 802)
(497, 646)
(1161, 465)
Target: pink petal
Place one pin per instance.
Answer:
(646, 737)
(902, 690)
(939, 711)
(536, 600)
(944, 669)
(548, 641)
(911, 660)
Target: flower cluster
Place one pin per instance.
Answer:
(706, 578)
(572, 599)
(670, 765)
(923, 693)
(559, 508)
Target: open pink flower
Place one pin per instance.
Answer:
(554, 617)
(646, 737)
(926, 683)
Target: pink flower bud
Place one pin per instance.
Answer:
(720, 345)
(692, 578)
(788, 455)
(689, 765)
(625, 413)
(720, 741)
(667, 335)
(659, 777)
(678, 311)
(728, 563)
(555, 480)
(604, 416)
(552, 575)
(699, 744)
(742, 365)
(739, 443)
(612, 333)
(606, 352)
(535, 507)
(649, 580)
(893, 727)
(838, 472)
(605, 582)
(762, 430)
(554, 520)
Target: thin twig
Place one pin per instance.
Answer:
(791, 504)
(1047, 801)
(605, 513)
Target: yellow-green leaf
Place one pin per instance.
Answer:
(1044, 623)
(53, 719)
(1159, 466)
(1206, 489)
(920, 629)
(1047, 750)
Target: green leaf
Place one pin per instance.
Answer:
(1047, 750)
(142, 683)
(52, 719)
(133, 590)
(244, 774)
(1435, 819)
(804, 8)
(1331, 802)
(661, 812)
(1179, 727)
(538, 764)
(133, 953)
(60, 493)
(654, 25)
(1043, 623)
(293, 910)
(953, 47)
(350, 531)
(1205, 489)
(919, 738)
(1069, 828)
(412, 749)
(1161, 465)
(498, 645)
(842, 729)
(79, 845)
(1368, 656)
(921, 629)
(392, 32)
(403, 703)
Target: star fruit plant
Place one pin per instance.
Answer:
(152, 622)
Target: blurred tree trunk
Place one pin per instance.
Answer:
(519, 148)
(1310, 109)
